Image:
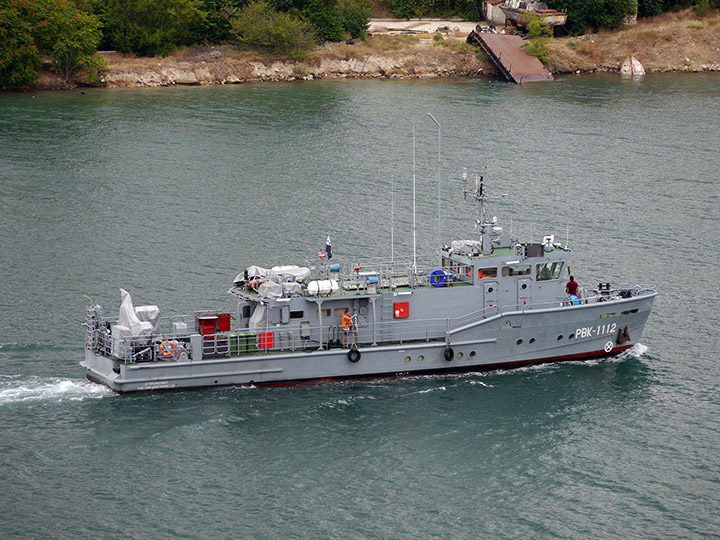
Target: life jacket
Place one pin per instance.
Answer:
(346, 321)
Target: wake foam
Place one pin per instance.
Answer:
(636, 351)
(14, 389)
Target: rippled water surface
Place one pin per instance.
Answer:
(170, 192)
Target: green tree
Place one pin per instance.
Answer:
(594, 14)
(215, 27)
(538, 32)
(72, 39)
(703, 7)
(19, 56)
(325, 17)
(355, 17)
(406, 9)
(649, 8)
(151, 27)
(273, 32)
(57, 28)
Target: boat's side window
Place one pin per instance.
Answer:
(297, 314)
(484, 273)
(463, 271)
(516, 270)
(549, 270)
(339, 312)
(325, 312)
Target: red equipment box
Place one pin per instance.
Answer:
(402, 310)
(266, 340)
(211, 323)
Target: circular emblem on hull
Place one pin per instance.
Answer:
(609, 346)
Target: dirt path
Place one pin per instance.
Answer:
(429, 26)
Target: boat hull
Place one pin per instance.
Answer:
(507, 340)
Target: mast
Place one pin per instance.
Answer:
(486, 226)
(414, 227)
(392, 220)
(439, 244)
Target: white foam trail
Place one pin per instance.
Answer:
(427, 391)
(636, 351)
(38, 389)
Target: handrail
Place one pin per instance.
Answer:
(296, 336)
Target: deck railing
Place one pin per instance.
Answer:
(192, 345)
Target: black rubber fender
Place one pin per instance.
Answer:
(449, 353)
(354, 355)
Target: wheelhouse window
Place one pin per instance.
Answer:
(297, 314)
(484, 273)
(516, 270)
(549, 270)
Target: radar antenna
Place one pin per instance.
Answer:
(478, 194)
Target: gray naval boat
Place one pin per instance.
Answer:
(487, 303)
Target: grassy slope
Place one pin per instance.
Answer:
(669, 42)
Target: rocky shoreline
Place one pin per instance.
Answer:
(673, 42)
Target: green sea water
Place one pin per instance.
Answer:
(170, 192)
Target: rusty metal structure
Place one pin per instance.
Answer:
(512, 61)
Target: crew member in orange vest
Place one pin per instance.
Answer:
(346, 325)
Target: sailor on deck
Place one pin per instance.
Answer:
(346, 325)
(572, 287)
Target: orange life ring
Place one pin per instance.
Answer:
(167, 348)
(255, 283)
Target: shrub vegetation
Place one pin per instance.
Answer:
(150, 27)
(538, 32)
(260, 27)
(68, 32)
(31, 29)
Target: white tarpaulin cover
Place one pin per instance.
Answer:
(270, 289)
(466, 247)
(292, 289)
(150, 314)
(258, 318)
(129, 319)
(292, 273)
(252, 273)
(278, 274)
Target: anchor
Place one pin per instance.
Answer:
(623, 336)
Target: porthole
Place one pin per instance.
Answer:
(421, 358)
(407, 359)
(490, 289)
(459, 355)
(532, 340)
(472, 353)
(571, 336)
(519, 341)
(560, 337)
(524, 285)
